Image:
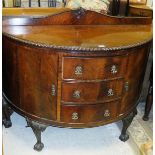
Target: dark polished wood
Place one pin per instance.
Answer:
(71, 17)
(7, 112)
(103, 68)
(28, 87)
(149, 100)
(89, 113)
(91, 92)
(76, 68)
(143, 10)
(37, 129)
(126, 123)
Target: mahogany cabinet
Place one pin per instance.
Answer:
(75, 68)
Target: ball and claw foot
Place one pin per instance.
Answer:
(38, 146)
(37, 128)
(145, 118)
(126, 123)
(7, 123)
(124, 138)
(6, 114)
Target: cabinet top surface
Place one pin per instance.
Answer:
(81, 35)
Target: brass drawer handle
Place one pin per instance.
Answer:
(76, 94)
(106, 113)
(53, 91)
(75, 116)
(78, 70)
(114, 69)
(110, 92)
(126, 86)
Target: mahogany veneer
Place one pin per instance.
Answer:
(73, 69)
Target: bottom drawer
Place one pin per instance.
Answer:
(89, 113)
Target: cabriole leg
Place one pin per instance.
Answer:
(126, 123)
(6, 113)
(37, 129)
(149, 102)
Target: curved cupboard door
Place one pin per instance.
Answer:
(30, 81)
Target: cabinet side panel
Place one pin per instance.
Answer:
(10, 81)
(135, 74)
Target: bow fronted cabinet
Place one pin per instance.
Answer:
(74, 68)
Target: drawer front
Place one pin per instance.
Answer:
(89, 113)
(93, 68)
(92, 91)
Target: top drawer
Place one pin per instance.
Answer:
(97, 68)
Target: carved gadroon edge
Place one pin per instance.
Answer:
(74, 48)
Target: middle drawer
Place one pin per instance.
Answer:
(86, 92)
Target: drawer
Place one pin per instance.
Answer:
(89, 113)
(93, 68)
(85, 92)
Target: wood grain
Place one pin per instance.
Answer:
(32, 65)
(92, 92)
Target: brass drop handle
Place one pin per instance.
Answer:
(75, 116)
(110, 92)
(78, 70)
(76, 94)
(107, 113)
(53, 90)
(114, 69)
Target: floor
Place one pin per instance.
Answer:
(19, 140)
(142, 131)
